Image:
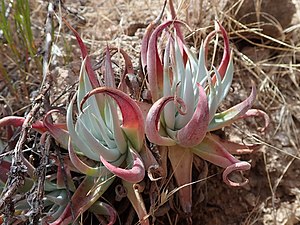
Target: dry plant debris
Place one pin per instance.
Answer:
(266, 49)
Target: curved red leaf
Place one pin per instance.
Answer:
(212, 150)
(226, 53)
(59, 134)
(109, 76)
(102, 208)
(257, 113)
(128, 66)
(194, 131)
(239, 166)
(17, 121)
(146, 37)
(152, 122)
(133, 122)
(234, 113)
(88, 66)
(134, 175)
(154, 64)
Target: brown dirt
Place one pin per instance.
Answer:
(273, 193)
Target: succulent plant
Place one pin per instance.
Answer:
(186, 96)
(105, 133)
(109, 130)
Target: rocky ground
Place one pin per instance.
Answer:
(265, 37)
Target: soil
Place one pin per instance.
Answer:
(272, 195)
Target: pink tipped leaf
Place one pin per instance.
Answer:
(146, 38)
(109, 77)
(154, 64)
(92, 76)
(104, 209)
(239, 166)
(219, 91)
(60, 135)
(212, 150)
(128, 70)
(17, 121)
(235, 148)
(179, 34)
(133, 122)
(234, 113)
(194, 132)
(134, 174)
(152, 122)
(88, 192)
(174, 17)
(226, 53)
(257, 113)
(83, 167)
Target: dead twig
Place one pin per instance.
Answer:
(16, 176)
(35, 198)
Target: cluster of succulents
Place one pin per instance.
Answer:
(109, 136)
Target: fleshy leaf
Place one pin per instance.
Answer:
(152, 122)
(186, 91)
(226, 54)
(84, 53)
(193, 133)
(17, 121)
(174, 17)
(83, 167)
(137, 201)
(109, 77)
(239, 166)
(134, 174)
(110, 153)
(257, 113)
(219, 91)
(146, 38)
(235, 148)
(58, 197)
(61, 179)
(212, 150)
(60, 135)
(168, 113)
(102, 208)
(133, 122)
(128, 70)
(76, 138)
(182, 162)
(154, 64)
(88, 192)
(230, 115)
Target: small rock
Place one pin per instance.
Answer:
(283, 139)
(251, 199)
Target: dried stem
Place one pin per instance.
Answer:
(35, 198)
(16, 176)
(48, 41)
